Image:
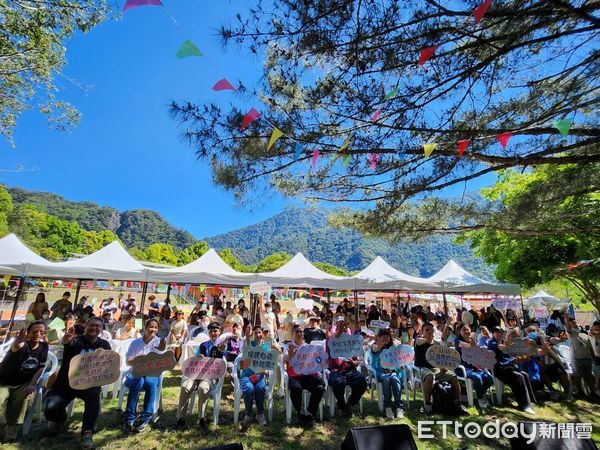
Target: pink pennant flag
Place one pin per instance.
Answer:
(480, 11)
(376, 115)
(89, 284)
(427, 53)
(503, 138)
(373, 158)
(223, 85)
(462, 146)
(130, 4)
(250, 117)
(315, 156)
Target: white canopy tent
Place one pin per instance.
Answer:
(380, 275)
(541, 298)
(15, 257)
(207, 269)
(455, 279)
(299, 272)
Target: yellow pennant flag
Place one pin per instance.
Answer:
(115, 283)
(429, 148)
(346, 144)
(202, 287)
(6, 279)
(44, 283)
(276, 134)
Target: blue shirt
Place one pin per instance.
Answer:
(502, 358)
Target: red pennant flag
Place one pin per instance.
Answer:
(427, 53)
(250, 117)
(376, 115)
(462, 146)
(503, 138)
(223, 85)
(141, 284)
(480, 11)
(69, 285)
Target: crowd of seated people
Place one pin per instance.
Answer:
(223, 328)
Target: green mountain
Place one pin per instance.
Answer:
(307, 230)
(294, 230)
(136, 228)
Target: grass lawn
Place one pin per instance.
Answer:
(324, 436)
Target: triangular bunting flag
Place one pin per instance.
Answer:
(187, 49)
(223, 85)
(276, 134)
(298, 151)
(390, 94)
(462, 146)
(346, 160)
(7, 280)
(503, 138)
(346, 144)
(480, 11)
(376, 115)
(563, 126)
(373, 158)
(315, 156)
(429, 148)
(250, 117)
(427, 53)
(130, 4)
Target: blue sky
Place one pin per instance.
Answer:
(126, 152)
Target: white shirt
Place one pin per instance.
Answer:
(139, 347)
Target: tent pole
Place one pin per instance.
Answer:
(522, 307)
(357, 321)
(77, 292)
(168, 291)
(15, 306)
(143, 301)
(445, 304)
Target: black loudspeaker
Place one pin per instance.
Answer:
(549, 443)
(388, 437)
(226, 447)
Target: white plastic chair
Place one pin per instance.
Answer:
(237, 392)
(214, 393)
(375, 385)
(414, 378)
(157, 404)
(36, 405)
(4, 347)
(499, 388)
(305, 395)
(331, 400)
(467, 381)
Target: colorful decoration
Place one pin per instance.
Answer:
(390, 94)
(130, 4)
(427, 53)
(376, 115)
(187, 49)
(503, 138)
(223, 85)
(462, 145)
(276, 134)
(315, 156)
(346, 159)
(346, 143)
(563, 126)
(250, 117)
(373, 158)
(297, 151)
(7, 280)
(480, 11)
(429, 148)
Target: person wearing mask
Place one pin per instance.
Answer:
(61, 393)
(482, 380)
(391, 380)
(313, 332)
(253, 384)
(62, 307)
(213, 348)
(38, 307)
(148, 343)
(21, 368)
(429, 374)
(268, 320)
(219, 316)
(312, 382)
(343, 372)
(507, 370)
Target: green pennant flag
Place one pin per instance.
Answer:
(346, 160)
(390, 94)
(563, 126)
(187, 49)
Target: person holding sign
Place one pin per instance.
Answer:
(149, 342)
(507, 371)
(20, 371)
(482, 379)
(391, 380)
(311, 382)
(209, 349)
(422, 344)
(253, 384)
(61, 393)
(343, 373)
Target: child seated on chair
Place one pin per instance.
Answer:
(209, 349)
